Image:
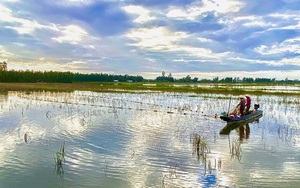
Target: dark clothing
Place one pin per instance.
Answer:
(242, 106)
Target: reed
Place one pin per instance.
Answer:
(200, 145)
(236, 150)
(60, 155)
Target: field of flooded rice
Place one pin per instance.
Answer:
(87, 139)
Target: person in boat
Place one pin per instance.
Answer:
(241, 106)
(248, 104)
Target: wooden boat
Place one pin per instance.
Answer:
(236, 124)
(253, 115)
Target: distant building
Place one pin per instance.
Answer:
(116, 82)
(3, 66)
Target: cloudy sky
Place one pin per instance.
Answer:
(202, 38)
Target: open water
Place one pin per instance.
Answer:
(87, 139)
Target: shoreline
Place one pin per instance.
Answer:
(214, 88)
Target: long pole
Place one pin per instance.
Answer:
(229, 106)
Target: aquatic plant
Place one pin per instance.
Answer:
(26, 137)
(59, 158)
(199, 144)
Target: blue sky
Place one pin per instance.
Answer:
(201, 38)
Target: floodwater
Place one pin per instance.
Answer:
(87, 139)
(275, 88)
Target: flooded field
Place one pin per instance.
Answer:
(87, 139)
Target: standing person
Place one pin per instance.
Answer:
(248, 104)
(241, 106)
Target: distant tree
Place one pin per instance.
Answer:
(247, 80)
(195, 79)
(216, 79)
(188, 78)
(3, 66)
(164, 79)
(228, 79)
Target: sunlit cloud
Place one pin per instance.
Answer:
(41, 65)
(143, 14)
(71, 34)
(163, 40)
(182, 14)
(156, 38)
(4, 54)
(74, 65)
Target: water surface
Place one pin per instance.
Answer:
(145, 140)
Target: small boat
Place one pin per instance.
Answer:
(252, 115)
(236, 124)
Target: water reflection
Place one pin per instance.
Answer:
(132, 140)
(244, 131)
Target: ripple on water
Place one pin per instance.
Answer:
(121, 147)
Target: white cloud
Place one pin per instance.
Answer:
(198, 9)
(287, 46)
(71, 34)
(46, 64)
(75, 65)
(143, 14)
(222, 6)
(280, 62)
(290, 61)
(11, 1)
(21, 25)
(284, 16)
(4, 54)
(75, 2)
(67, 3)
(181, 14)
(204, 40)
(247, 21)
(156, 38)
(259, 23)
(161, 39)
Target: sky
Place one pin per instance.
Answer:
(200, 38)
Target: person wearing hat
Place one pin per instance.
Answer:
(248, 104)
(241, 105)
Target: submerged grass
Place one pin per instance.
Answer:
(140, 87)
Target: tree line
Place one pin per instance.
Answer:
(63, 77)
(69, 77)
(189, 79)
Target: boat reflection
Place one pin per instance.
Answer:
(244, 131)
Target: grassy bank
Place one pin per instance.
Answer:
(140, 87)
